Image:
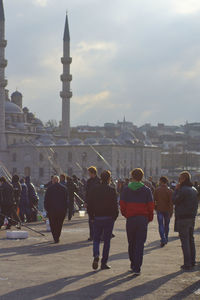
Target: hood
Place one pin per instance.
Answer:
(134, 186)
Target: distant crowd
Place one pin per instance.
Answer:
(102, 197)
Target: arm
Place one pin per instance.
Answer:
(123, 204)
(115, 205)
(170, 203)
(46, 198)
(177, 196)
(150, 205)
(155, 199)
(90, 208)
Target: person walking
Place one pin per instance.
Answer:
(71, 188)
(92, 181)
(103, 211)
(164, 208)
(24, 205)
(33, 199)
(186, 205)
(17, 194)
(55, 203)
(137, 206)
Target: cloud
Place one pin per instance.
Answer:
(185, 7)
(41, 2)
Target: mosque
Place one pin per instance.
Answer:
(28, 148)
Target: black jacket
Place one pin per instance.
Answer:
(90, 185)
(6, 195)
(17, 192)
(186, 202)
(71, 188)
(102, 202)
(55, 201)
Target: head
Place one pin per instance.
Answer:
(15, 178)
(2, 180)
(62, 177)
(137, 174)
(163, 180)
(106, 177)
(56, 179)
(69, 179)
(185, 178)
(28, 179)
(92, 171)
(150, 178)
(22, 180)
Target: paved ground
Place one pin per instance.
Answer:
(38, 269)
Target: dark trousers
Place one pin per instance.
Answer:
(186, 230)
(91, 227)
(102, 225)
(163, 222)
(136, 228)
(70, 209)
(56, 223)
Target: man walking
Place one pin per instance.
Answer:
(103, 210)
(55, 203)
(137, 207)
(6, 202)
(164, 208)
(92, 181)
(186, 205)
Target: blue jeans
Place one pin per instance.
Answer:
(163, 222)
(136, 228)
(102, 225)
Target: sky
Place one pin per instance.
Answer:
(134, 58)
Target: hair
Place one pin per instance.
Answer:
(15, 178)
(92, 170)
(56, 179)
(187, 178)
(164, 179)
(137, 174)
(22, 180)
(3, 179)
(63, 176)
(105, 176)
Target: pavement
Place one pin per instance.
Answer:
(36, 268)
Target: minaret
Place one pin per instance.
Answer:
(3, 82)
(66, 93)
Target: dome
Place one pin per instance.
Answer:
(76, 142)
(11, 108)
(106, 141)
(16, 94)
(90, 141)
(38, 122)
(62, 142)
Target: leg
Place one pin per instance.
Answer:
(167, 222)
(91, 228)
(141, 235)
(53, 225)
(192, 243)
(160, 218)
(98, 229)
(185, 241)
(131, 234)
(108, 228)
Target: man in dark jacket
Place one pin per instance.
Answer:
(33, 199)
(6, 202)
(137, 206)
(164, 208)
(92, 181)
(24, 205)
(103, 210)
(55, 203)
(186, 205)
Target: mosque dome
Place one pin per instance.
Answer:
(90, 141)
(106, 141)
(76, 142)
(16, 94)
(12, 108)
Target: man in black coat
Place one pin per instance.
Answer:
(91, 183)
(55, 203)
(103, 210)
(71, 188)
(6, 202)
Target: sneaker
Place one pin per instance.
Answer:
(90, 239)
(162, 244)
(95, 263)
(56, 241)
(105, 267)
(134, 273)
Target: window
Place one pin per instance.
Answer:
(70, 171)
(27, 171)
(41, 172)
(14, 157)
(41, 157)
(69, 156)
(14, 171)
(84, 157)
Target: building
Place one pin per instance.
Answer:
(28, 148)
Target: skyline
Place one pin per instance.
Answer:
(138, 59)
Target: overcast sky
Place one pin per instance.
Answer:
(133, 58)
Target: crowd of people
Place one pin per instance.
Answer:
(103, 198)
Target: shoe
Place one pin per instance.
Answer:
(95, 263)
(105, 267)
(112, 236)
(162, 244)
(186, 268)
(134, 273)
(90, 239)
(56, 241)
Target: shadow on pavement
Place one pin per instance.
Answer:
(187, 291)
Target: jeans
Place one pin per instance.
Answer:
(186, 231)
(163, 222)
(91, 228)
(136, 228)
(102, 225)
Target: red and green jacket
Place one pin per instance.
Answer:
(137, 200)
